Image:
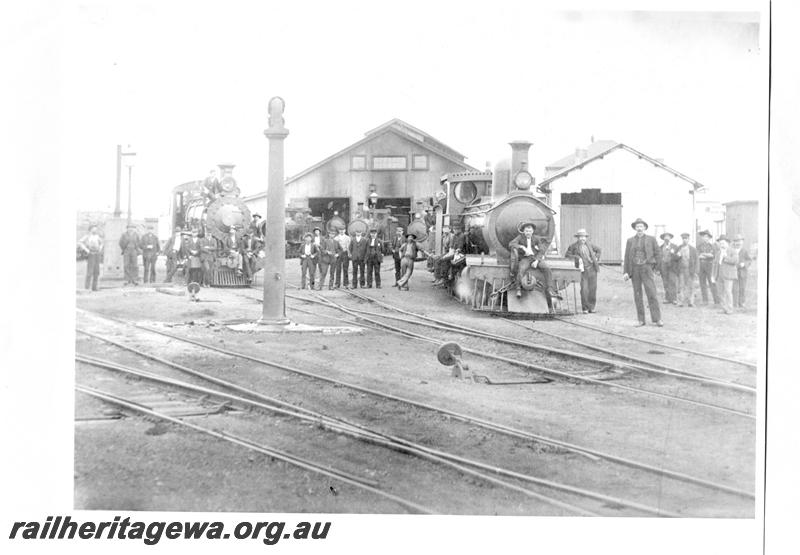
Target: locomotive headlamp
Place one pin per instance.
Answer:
(465, 192)
(523, 180)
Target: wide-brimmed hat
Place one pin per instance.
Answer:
(522, 225)
(307, 235)
(581, 232)
(639, 221)
(738, 237)
(707, 233)
(411, 235)
(723, 238)
(664, 235)
(317, 229)
(684, 234)
(256, 215)
(373, 230)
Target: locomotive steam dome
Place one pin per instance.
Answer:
(502, 220)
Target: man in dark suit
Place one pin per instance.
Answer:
(129, 244)
(329, 253)
(149, 245)
(687, 269)
(706, 252)
(374, 258)
(248, 248)
(309, 253)
(668, 268)
(587, 260)
(527, 251)
(642, 256)
(172, 249)
(358, 254)
(397, 243)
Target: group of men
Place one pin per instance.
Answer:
(194, 249)
(721, 267)
(333, 256)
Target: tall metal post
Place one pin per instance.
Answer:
(274, 305)
(117, 211)
(129, 194)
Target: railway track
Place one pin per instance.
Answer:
(494, 427)
(465, 466)
(411, 318)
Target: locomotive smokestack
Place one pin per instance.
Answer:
(519, 154)
(519, 161)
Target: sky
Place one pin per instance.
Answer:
(187, 85)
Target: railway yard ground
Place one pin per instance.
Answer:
(190, 407)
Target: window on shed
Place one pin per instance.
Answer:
(389, 163)
(419, 162)
(358, 162)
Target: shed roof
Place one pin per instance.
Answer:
(605, 148)
(398, 127)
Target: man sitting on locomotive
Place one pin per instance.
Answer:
(441, 267)
(527, 251)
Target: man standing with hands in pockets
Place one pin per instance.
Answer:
(642, 256)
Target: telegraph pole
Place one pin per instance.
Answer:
(117, 211)
(274, 304)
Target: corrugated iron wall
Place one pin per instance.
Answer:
(602, 221)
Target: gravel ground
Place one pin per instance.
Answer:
(118, 465)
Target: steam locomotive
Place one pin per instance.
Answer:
(491, 223)
(213, 207)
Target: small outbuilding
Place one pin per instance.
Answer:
(607, 185)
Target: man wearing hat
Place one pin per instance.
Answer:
(328, 254)
(343, 260)
(92, 245)
(193, 253)
(706, 252)
(230, 250)
(725, 272)
(358, 254)
(255, 227)
(527, 251)
(687, 269)
(397, 242)
(587, 259)
(208, 252)
(149, 245)
(669, 269)
(408, 255)
(744, 263)
(129, 243)
(441, 268)
(642, 256)
(308, 261)
(374, 258)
